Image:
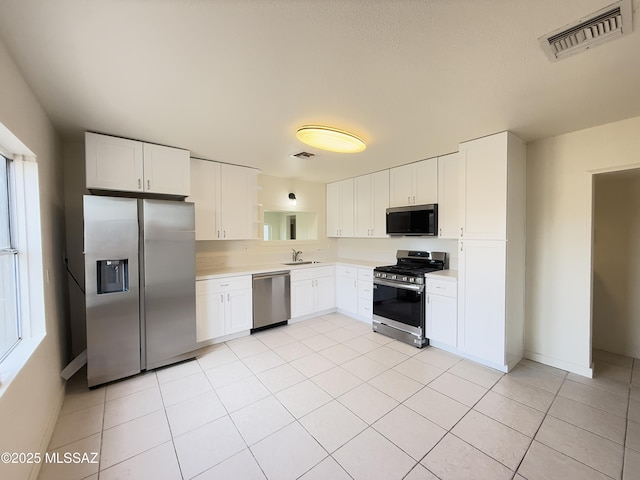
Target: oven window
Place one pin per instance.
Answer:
(403, 306)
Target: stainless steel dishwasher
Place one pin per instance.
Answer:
(271, 299)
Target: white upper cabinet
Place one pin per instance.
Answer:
(238, 201)
(205, 186)
(371, 200)
(340, 208)
(414, 184)
(448, 196)
(225, 198)
(166, 170)
(487, 166)
(114, 163)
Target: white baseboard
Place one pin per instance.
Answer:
(561, 364)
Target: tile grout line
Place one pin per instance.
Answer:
(533, 437)
(450, 430)
(173, 443)
(368, 425)
(578, 427)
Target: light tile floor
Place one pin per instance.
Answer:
(329, 399)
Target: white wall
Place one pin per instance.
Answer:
(616, 266)
(558, 260)
(383, 250)
(30, 404)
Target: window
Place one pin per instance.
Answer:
(9, 321)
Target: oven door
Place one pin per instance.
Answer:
(402, 303)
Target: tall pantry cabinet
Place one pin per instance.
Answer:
(491, 249)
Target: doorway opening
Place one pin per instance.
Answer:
(615, 330)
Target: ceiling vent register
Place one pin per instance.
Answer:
(600, 27)
(303, 155)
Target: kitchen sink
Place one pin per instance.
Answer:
(307, 262)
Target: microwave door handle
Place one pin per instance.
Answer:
(401, 286)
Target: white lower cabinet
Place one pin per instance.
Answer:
(442, 312)
(365, 293)
(354, 291)
(223, 307)
(312, 290)
(347, 289)
(482, 300)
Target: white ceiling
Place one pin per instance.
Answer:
(231, 80)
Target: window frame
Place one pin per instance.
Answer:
(12, 250)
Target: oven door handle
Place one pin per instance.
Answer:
(401, 286)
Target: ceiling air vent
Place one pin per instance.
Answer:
(303, 155)
(604, 25)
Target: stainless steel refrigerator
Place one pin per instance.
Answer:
(139, 285)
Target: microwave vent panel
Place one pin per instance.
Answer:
(607, 24)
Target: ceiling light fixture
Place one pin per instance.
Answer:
(332, 139)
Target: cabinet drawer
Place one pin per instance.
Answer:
(365, 290)
(445, 288)
(365, 274)
(308, 273)
(217, 285)
(365, 308)
(346, 271)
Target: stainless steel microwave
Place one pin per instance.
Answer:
(415, 220)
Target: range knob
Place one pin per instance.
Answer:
(384, 275)
(412, 279)
(393, 277)
(404, 279)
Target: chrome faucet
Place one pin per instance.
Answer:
(296, 255)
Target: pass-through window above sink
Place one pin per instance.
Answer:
(281, 225)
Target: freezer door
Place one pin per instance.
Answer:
(111, 288)
(169, 281)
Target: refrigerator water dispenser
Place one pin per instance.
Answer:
(113, 276)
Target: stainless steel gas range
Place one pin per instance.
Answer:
(398, 295)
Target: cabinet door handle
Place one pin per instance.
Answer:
(224, 234)
(414, 199)
(428, 300)
(409, 199)
(227, 297)
(221, 298)
(139, 183)
(461, 232)
(440, 232)
(461, 244)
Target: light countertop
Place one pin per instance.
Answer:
(451, 275)
(221, 272)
